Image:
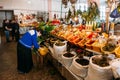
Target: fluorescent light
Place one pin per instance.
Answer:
(29, 2)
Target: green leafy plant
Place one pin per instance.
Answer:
(91, 14)
(69, 15)
(41, 25)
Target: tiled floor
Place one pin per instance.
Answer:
(8, 66)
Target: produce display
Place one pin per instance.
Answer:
(52, 41)
(85, 43)
(82, 61)
(81, 40)
(68, 54)
(89, 44)
(75, 36)
(117, 52)
(59, 43)
(101, 61)
(109, 47)
(96, 46)
(85, 39)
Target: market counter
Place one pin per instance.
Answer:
(65, 72)
(39, 61)
(59, 65)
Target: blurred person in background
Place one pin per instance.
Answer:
(12, 24)
(7, 29)
(15, 30)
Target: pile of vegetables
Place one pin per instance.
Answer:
(45, 29)
(102, 61)
(109, 47)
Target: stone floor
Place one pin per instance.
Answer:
(8, 66)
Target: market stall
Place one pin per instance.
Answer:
(83, 51)
(63, 45)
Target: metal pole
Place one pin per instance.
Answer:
(61, 11)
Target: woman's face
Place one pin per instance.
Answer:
(38, 33)
(7, 21)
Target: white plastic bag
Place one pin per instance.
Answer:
(115, 64)
(59, 50)
(78, 69)
(67, 61)
(96, 72)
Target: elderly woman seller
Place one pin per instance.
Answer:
(24, 53)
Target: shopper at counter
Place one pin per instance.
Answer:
(7, 29)
(15, 30)
(24, 54)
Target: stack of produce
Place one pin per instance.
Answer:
(91, 39)
(117, 52)
(108, 48)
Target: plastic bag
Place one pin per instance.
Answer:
(115, 13)
(43, 50)
(96, 72)
(115, 64)
(78, 69)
